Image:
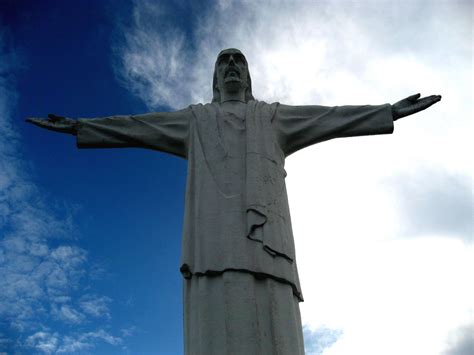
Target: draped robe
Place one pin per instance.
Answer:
(237, 227)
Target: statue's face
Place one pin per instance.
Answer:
(232, 71)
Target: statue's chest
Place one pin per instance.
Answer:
(233, 136)
(229, 168)
(237, 109)
(232, 129)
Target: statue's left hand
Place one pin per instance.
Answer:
(55, 123)
(413, 104)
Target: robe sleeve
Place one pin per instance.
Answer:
(163, 131)
(297, 127)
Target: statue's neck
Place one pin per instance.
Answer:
(237, 108)
(233, 96)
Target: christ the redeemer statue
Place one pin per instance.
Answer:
(241, 286)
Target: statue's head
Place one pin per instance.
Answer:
(231, 73)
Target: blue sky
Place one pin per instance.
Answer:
(105, 211)
(90, 239)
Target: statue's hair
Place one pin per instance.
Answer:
(216, 95)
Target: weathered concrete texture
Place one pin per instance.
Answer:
(236, 313)
(236, 209)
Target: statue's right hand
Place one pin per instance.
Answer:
(55, 123)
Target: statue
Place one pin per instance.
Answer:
(241, 286)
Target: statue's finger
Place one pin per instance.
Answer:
(38, 121)
(432, 99)
(426, 102)
(413, 98)
(33, 120)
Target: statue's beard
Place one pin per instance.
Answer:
(233, 83)
(232, 75)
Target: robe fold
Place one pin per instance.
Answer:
(236, 210)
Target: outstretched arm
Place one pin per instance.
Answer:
(297, 127)
(163, 131)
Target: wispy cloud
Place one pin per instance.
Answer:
(50, 343)
(96, 306)
(41, 265)
(152, 60)
(43, 341)
(87, 340)
(67, 314)
(129, 331)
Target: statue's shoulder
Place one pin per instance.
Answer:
(192, 106)
(264, 103)
(264, 109)
(250, 102)
(204, 106)
(205, 112)
(261, 106)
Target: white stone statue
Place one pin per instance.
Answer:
(241, 287)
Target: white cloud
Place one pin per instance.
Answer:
(73, 345)
(433, 202)
(48, 343)
(67, 314)
(43, 341)
(151, 58)
(461, 341)
(105, 336)
(83, 341)
(416, 290)
(350, 199)
(129, 331)
(78, 342)
(318, 340)
(96, 306)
